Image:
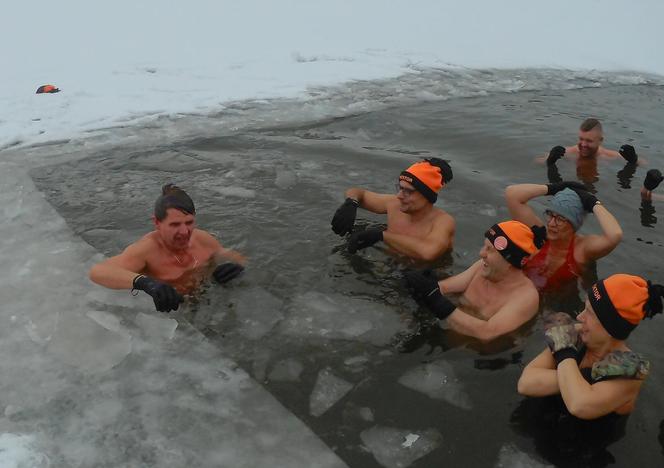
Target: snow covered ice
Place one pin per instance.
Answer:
(437, 380)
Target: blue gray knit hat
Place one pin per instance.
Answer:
(567, 204)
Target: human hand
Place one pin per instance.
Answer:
(561, 336)
(588, 200)
(227, 271)
(344, 217)
(555, 154)
(423, 287)
(165, 297)
(362, 239)
(628, 152)
(552, 189)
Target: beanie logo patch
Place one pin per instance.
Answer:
(406, 178)
(500, 243)
(596, 293)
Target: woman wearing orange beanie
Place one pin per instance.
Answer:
(589, 363)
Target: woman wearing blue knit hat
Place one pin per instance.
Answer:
(565, 254)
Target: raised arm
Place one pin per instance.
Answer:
(371, 201)
(517, 197)
(436, 242)
(597, 246)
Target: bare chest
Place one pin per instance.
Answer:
(484, 298)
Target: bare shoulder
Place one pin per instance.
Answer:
(443, 219)
(526, 292)
(204, 238)
(143, 246)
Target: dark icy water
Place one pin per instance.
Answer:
(306, 311)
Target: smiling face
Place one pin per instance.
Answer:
(410, 199)
(557, 227)
(494, 266)
(175, 229)
(589, 142)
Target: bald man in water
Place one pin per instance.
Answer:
(171, 260)
(589, 147)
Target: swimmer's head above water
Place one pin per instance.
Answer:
(174, 217)
(591, 137)
(173, 196)
(515, 241)
(567, 204)
(621, 301)
(428, 177)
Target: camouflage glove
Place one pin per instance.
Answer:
(620, 364)
(561, 336)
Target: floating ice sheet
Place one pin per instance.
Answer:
(437, 380)
(327, 391)
(156, 327)
(335, 316)
(85, 344)
(398, 448)
(510, 457)
(257, 311)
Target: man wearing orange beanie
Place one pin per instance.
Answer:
(496, 296)
(588, 363)
(415, 227)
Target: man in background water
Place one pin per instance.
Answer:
(172, 259)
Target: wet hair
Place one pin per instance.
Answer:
(173, 196)
(590, 124)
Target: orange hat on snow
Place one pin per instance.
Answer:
(428, 177)
(622, 301)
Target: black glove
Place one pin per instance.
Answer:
(423, 286)
(552, 189)
(561, 337)
(226, 272)
(588, 200)
(363, 239)
(344, 217)
(627, 152)
(653, 179)
(165, 297)
(555, 154)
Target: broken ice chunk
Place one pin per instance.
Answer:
(389, 449)
(438, 381)
(327, 391)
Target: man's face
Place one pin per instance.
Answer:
(411, 200)
(589, 143)
(494, 266)
(176, 228)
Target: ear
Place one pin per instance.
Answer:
(155, 221)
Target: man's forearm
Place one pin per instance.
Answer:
(466, 324)
(112, 277)
(412, 246)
